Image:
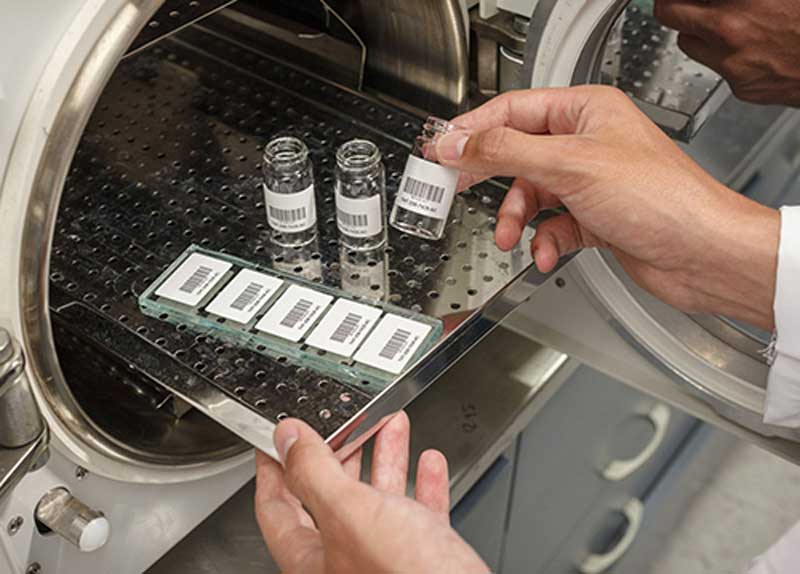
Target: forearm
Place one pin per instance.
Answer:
(735, 274)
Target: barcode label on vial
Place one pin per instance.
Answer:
(291, 212)
(345, 326)
(193, 279)
(393, 343)
(244, 296)
(294, 313)
(359, 217)
(427, 188)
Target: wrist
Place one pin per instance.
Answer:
(736, 274)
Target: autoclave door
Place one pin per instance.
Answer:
(710, 366)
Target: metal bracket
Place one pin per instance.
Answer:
(22, 432)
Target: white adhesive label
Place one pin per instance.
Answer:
(294, 313)
(244, 296)
(427, 188)
(359, 217)
(345, 326)
(193, 279)
(291, 212)
(393, 343)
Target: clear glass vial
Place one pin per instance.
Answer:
(426, 192)
(360, 195)
(289, 192)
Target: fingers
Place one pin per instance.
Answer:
(287, 529)
(508, 152)
(352, 466)
(313, 473)
(390, 456)
(553, 111)
(522, 202)
(433, 483)
(559, 236)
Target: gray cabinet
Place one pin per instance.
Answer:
(593, 449)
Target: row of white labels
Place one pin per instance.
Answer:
(341, 326)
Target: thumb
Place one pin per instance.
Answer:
(313, 473)
(504, 151)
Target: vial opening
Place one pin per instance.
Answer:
(356, 155)
(285, 152)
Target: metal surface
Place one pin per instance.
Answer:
(20, 421)
(68, 517)
(16, 463)
(174, 15)
(642, 58)
(503, 32)
(417, 51)
(171, 157)
(472, 414)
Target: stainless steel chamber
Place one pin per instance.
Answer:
(155, 127)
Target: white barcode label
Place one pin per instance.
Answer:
(193, 279)
(393, 343)
(345, 326)
(427, 188)
(294, 313)
(244, 296)
(359, 217)
(291, 212)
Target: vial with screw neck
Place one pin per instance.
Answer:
(360, 195)
(427, 189)
(289, 192)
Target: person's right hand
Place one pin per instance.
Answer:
(679, 233)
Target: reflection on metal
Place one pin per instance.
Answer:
(15, 463)
(500, 48)
(642, 58)
(170, 158)
(417, 51)
(20, 422)
(81, 526)
(174, 15)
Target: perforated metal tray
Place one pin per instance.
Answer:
(171, 157)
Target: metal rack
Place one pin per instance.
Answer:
(171, 157)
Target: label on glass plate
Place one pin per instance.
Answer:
(193, 279)
(291, 212)
(427, 188)
(393, 343)
(244, 296)
(294, 313)
(345, 326)
(359, 217)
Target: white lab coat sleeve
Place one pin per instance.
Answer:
(782, 406)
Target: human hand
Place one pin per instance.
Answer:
(753, 44)
(680, 234)
(351, 527)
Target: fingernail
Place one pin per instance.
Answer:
(451, 146)
(285, 437)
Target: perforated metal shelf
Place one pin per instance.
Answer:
(643, 59)
(172, 156)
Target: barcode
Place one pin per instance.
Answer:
(247, 296)
(288, 215)
(353, 219)
(346, 328)
(395, 344)
(423, 190)
(198, 278)
(297, 314)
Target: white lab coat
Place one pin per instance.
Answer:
(783, 389)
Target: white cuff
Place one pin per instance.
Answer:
(782, 406)
(782, 558)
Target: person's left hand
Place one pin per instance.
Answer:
(352, 527)
(753, 44)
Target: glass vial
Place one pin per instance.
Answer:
(289, 192)
(427, 189)
(360, 195)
